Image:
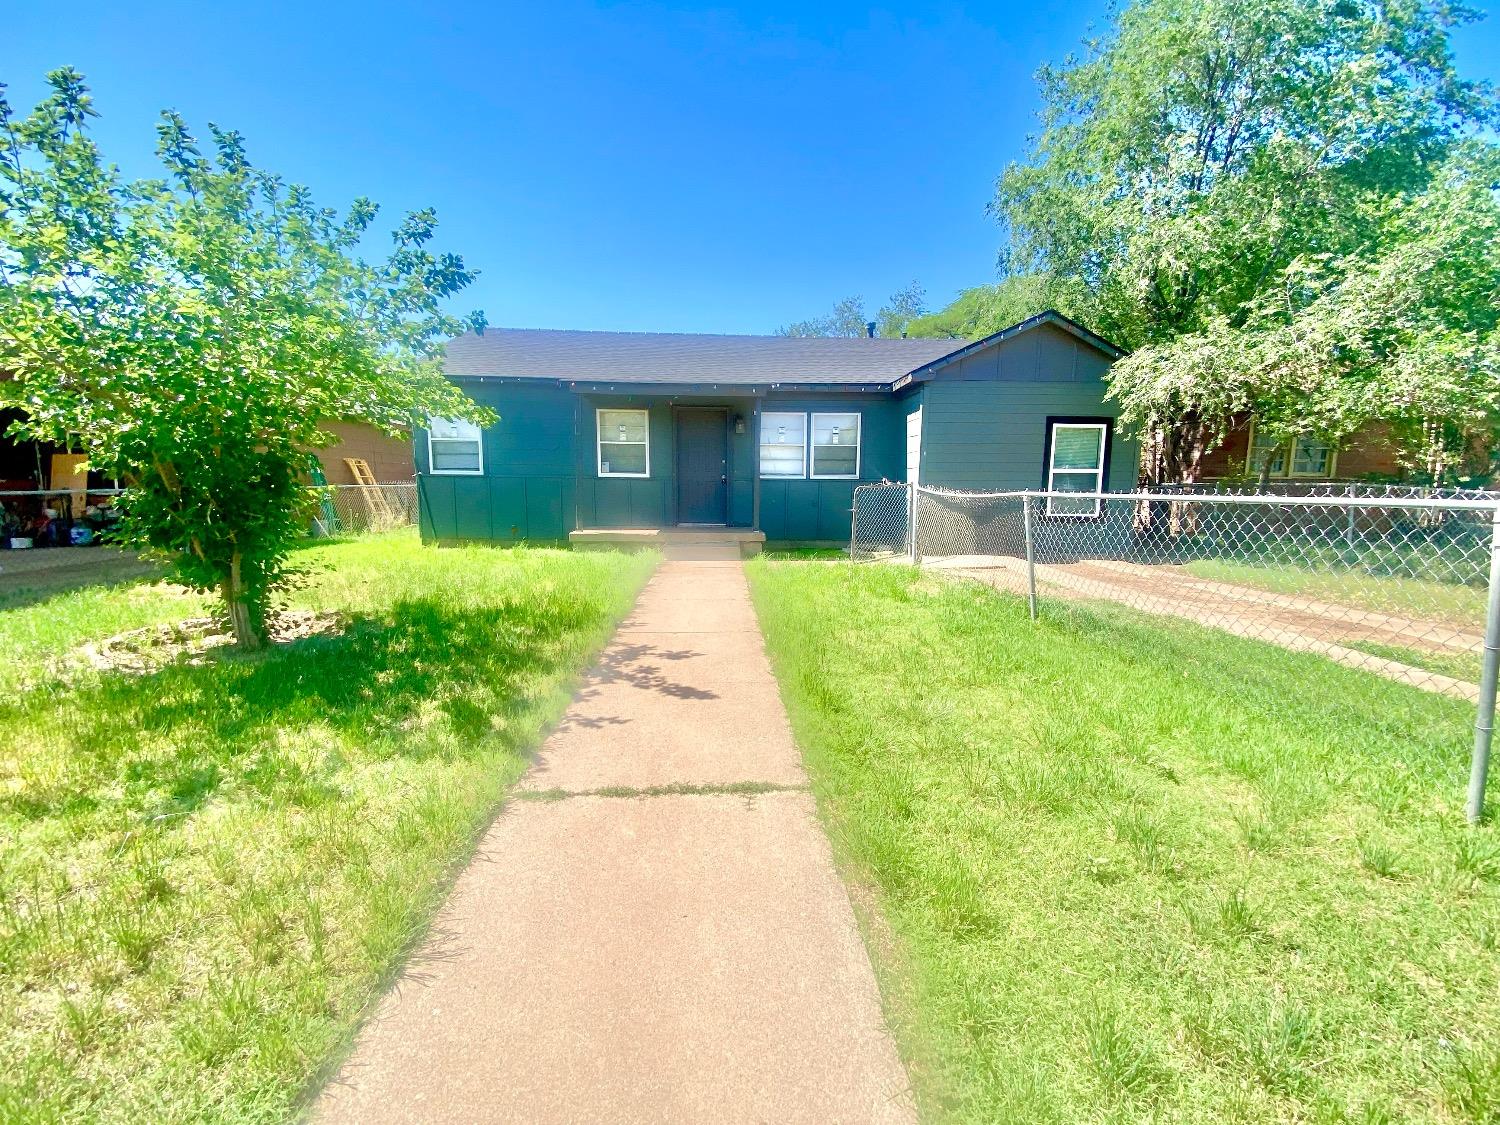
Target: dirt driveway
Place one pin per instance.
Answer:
(1291, 621)
(33, 574)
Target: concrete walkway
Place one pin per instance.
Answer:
(654, 930)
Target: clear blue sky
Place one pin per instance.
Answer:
(660, 167)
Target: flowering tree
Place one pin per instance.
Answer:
(1262, 202)
(191, 335)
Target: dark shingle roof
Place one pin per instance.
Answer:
(664, 357)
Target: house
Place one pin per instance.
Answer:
(1368, 454)
(389, 458)
(616, 435)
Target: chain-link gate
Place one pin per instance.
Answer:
(1401, 583)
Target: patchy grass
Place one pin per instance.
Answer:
(1399, 596)
(210, 870)
(1459, 665)
(1140, 870)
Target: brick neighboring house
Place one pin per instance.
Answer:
(1368, 453)
(390, 458)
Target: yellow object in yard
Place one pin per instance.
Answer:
(68, 472)
(380, 511)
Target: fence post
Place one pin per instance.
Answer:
(1030, 556)
(911, 523)
(1484, 721)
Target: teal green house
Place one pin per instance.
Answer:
(621, 432)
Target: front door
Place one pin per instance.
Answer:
(702, 465)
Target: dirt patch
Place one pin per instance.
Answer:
(193, 641)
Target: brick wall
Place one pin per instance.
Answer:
(1369, 452)
(390, 459)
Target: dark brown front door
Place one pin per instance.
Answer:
(702, 465)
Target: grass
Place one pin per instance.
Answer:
(1134, 869)
(210, 870)
(1464, 666)
(1421, 598)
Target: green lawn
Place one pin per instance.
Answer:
(1393, 594)
(1133, 869)
(209, 870)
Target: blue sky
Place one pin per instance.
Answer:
(655, 167)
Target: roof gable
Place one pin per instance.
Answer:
(1049, 321)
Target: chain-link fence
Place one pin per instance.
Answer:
(1402, 585)
(350, 508)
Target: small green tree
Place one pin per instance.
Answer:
(193, 333)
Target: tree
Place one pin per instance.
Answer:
(848, 316)
(846, 319)
(192, 333)
(977, 312)
(1205, 159)
(904, 306)
(1405, 330)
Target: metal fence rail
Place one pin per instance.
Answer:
(1399, 583)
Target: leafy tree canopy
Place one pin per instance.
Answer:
(193, 333)
(848, 316)
(1225, 187)
(984, 309)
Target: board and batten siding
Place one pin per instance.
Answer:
(984, 418)
(818, 511)
(527, 488)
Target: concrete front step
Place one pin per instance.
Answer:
(683, 543)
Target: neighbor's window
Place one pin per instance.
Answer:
(1307, 456)
(1263, 449)
(835, 445)
(1075, 463)
(1311, 457)
(454, 446)
(624, 443)
(783, 445)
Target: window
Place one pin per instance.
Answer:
(1075, 463)
(835, 446)
(1311, 457)
(1307, 455)
(454, 446)
(783, 445)
(624, 443)
(1264, 448)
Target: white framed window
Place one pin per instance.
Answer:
(624, 443)
(1311, 457)
(1075, 463)
(1303, 456)
(1265, 449)
(835, 446)
(454, 446)
(783, 445)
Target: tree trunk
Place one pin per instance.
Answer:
(247, 634)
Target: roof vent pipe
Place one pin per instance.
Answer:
(870, 329)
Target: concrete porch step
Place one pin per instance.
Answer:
(704, 543)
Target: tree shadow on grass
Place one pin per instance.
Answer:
(166, 741)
